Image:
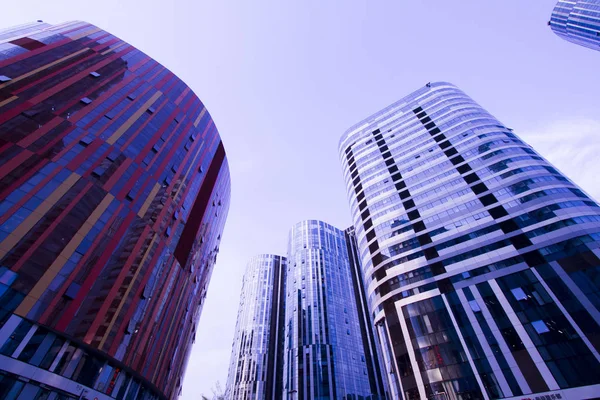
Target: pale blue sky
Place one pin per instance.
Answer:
(284, 79)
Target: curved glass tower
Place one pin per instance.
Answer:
(254, 371)
(114, 188)
(323, 355)
(481, 260)
(577, 21)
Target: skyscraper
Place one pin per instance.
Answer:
(481, 260)
(577, 21)
(114, 188)
(255, 370)
(324, 355)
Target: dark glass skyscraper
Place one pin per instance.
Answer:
(255, 367)
(577, 21)
(114, 188)
(303, 330)
(324, 356)
(481, 260)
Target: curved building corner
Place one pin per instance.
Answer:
(325, 354)
(481, 260)
(255, 366)
(577, 21)
(114, 190)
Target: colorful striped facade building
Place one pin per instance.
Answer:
(114, 189)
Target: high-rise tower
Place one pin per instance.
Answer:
(255, 367)
(481, 260)
(324, 355)
(577, 21)
(114, 188)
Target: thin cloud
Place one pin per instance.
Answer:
(573, 146)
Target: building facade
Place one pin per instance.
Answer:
(323, 355)
(481, 260)
(114, 189)
(255, 367)
(373, 352)
(577, 21)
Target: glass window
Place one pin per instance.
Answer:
(88, 369)
(133, 389)
(10, 387)
(64, 360)
(15, 339)
(474, 306)
(32, 345)
(122, 385)
(519, 293)
(540, 326)
(51, 354)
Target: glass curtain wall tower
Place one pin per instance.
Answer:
(255, 368)
(481, 260)
(577, 21)
(323, 355)
(114, 188)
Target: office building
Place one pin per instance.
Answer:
(114, 189)
(324, 356)
(577, 21)
(255, 367)
(480, 259)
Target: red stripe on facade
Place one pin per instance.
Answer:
(188, 236)
(147, 148)
(38, 133)
(140, 64)
(170, 84)
(75, 118)
(21, 180)
(116, 286)
(87, 152)
(24, 56)
(99, 238)
(136, 296)
(100, 159)
(172, 316)
(68, 82)
(163, 294)
(43, 76)
(13, 112)
(104, 46)
(28, 196)
(129, 184)
(130, 106)
(164, 80)
(94, 273)
(50, 229)
(54, 141)
(182, 95)
(86, 110)
(117, 175)
(142, 337)
(14, 162)
(181, 173)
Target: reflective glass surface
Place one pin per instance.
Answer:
(254, 371)
(577, 21)
(480, 259)
(324, 356)
(114, 189)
